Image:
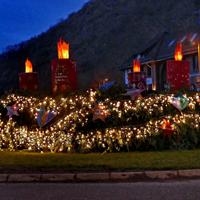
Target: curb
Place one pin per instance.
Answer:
(101, 177)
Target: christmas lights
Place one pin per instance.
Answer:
(127, 122)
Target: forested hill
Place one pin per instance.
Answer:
(102, 35)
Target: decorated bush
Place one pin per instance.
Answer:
(100, 121)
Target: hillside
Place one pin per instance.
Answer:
(102, 35)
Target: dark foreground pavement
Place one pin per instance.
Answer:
(101, 177)
(153, 190)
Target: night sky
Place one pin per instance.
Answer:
(22, 19)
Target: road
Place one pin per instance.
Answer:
(173, 190)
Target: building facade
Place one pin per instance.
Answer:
(155, 53)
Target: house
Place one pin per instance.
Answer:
(155, 53)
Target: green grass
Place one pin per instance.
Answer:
(180, 159)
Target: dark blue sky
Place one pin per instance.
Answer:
(22, 19)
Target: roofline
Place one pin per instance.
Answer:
(162, 59)
(151, 42)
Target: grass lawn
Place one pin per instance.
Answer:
(179, 159)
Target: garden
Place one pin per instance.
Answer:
(100, 121)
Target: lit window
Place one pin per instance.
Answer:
(126, 75)
(195, 63)
(194, 36)
(183, 38)
(171, 42)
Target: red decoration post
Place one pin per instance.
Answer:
(137, 79)
(63, 70)
(29, 80)
(64, 75)
(178, 71)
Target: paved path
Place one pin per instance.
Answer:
(154, 190)
(102, 177)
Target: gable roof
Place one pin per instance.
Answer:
(162, 46)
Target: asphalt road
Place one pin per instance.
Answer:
(173, 190)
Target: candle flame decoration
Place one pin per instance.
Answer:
(28, 66)
(178, 52)
(136, 65)
(63, 49)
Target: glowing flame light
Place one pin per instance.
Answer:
(28, 66)
(63, 49)
(178, 52)
(136, 65)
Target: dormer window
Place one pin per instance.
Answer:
(183, 38)
(171, 43)
(193, 37)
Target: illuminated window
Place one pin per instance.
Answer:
(171, 42)
(194, 36)
(195, 63)
(183, 38)
(126, 75)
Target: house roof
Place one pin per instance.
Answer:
(162, 46)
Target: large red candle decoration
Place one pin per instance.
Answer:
(137, 78)
(63, 70)
(29, 80)
(178, 71)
